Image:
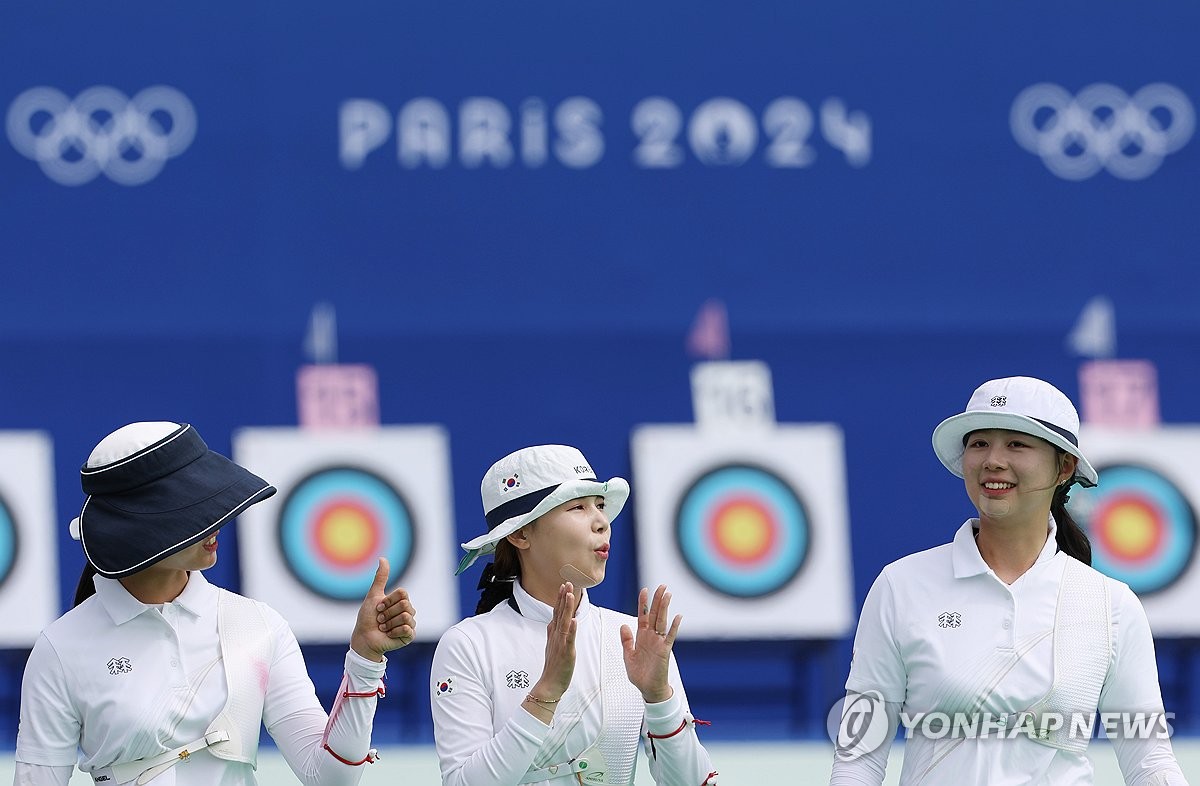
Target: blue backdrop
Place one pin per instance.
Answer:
(518, 207)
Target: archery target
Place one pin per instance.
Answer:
(745, 526)
(346, 498)
(334, 525)
(742, 530)
(8, 542)
(1141, 518)
(1142, 528)
(29, 570)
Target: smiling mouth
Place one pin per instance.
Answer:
(998, 486)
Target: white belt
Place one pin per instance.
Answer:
(151, 767)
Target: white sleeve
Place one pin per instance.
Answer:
(469, 751)
(301, 729)
(669, 738)
(50, 724)
(869, 768)
(40, 775)
(1132, 687)
(876, 663)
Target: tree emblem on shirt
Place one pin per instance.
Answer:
(949, 619)
(119, 666)
(517, 679)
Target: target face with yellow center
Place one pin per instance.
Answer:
(1142, 529)
(743, 531)
(335, 524)
(8, 542)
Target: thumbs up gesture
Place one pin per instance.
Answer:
(385, 622)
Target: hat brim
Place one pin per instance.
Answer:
(615, 493)
(949, 434)
(124, 533)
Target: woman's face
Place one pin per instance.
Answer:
(1010, 475)
(575, 533)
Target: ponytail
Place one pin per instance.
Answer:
(86, 588)
(1072, 540)
(498, 577)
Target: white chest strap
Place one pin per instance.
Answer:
(612, 757)
(246, 650)
(1082, 654)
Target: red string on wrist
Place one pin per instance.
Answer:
(654, 736)
(682, 726)
(381, 691)
(371, 757)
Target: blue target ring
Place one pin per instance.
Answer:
(336, 522)
(743, 531)
(8, 542)
(1142, 528)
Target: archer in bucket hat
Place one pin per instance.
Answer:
(101, 687)
(1008, 626)
(503, 676)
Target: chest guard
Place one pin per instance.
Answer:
(1082, 653)
(611, 758)
(246, 651)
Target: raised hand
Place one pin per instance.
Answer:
(385, 622)
(560, 648)
(648, 654)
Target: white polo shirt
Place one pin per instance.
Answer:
(938, 628)
(484, 667)
(115, 680)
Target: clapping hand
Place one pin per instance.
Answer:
(560, 647)
(648, 654)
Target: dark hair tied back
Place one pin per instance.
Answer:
(86, 588)
(494, 589)
(1072, 540)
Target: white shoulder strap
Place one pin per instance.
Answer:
(1082, 653)
(246, 650)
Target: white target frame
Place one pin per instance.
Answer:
(29, 599)
(810, 458)
(415, 460)
(1172, 451)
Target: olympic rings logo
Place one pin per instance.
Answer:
(101, 130)
(1102, 128)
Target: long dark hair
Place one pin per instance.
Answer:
(496, 583)
(1072, 540)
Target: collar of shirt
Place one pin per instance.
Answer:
(534, 609)
(197, 597)
(969, 562)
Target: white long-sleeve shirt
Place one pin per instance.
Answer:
(114, 680)
(484, 667)
(935, 623)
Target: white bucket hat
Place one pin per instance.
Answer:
(1024, 404)
(525, 484)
